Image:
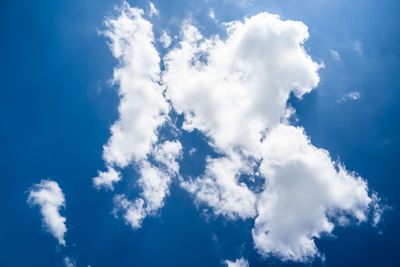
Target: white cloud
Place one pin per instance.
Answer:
(165, 39)
(238, 263)
(243, 87)
(192, 151)
(167, 153)
(306, 191)
(235, 91)
(234, 95)
(220, 189)
(142, 110)
(107, 179)
(142, 107)
(358, 47)
(350, 96)
(154, 183)
(155, 187)
(153, 10)
(211, 14)
(335, 54)
(49, 197)
(69, 262)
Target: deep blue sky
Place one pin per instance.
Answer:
(57, 105)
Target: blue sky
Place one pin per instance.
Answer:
(58, 104)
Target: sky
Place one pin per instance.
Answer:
(200, 133)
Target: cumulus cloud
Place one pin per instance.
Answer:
(306, 192)
(155, 186)
(220, 189)
(142, 107)
(49, 197)
(107, 179)
(238, 263)
(142, 111)
(235, 91)
(154, 183)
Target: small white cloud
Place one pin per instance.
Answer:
(107, 179)
(238, 263)
(165, 39)
(211, 14)
(335, 54)
(350, 96)
(153, 10)
(69, 262)
(49, 197)
(192, 150)
(358, 47)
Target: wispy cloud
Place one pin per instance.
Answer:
(153, 10)
(335, 54)
(350, 96)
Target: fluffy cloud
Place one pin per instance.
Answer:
(142, 107)
(305, 193)
(49, 197)
(107, 179)
(220, 189)
(235, 91)
(238, 263)
(154, 183)
(142, 111)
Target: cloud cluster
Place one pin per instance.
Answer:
(235, 91)
(50, 198)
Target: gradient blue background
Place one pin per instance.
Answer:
(56, 106)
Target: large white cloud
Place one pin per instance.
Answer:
(235, 90)
(50, 198)
(142, 107)
(142, 110)
(305, 194)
